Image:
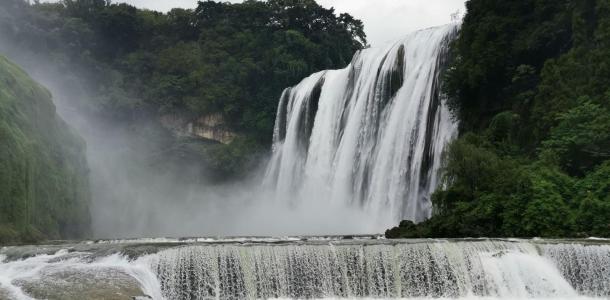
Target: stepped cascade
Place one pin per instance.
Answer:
(307, 268)
(412, 270)
(370, 135)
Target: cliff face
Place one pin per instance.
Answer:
(44, 186)
(210, 127)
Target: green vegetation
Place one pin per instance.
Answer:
(139, 64)
(529, 83)
(44, 188)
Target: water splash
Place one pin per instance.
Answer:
(77, 275)
(368, 136)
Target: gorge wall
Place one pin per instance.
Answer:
(44, 188)
(208, 126)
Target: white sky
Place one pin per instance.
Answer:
(384, 20)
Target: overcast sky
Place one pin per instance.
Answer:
(384, 20)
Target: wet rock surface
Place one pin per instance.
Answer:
(4, 294)
(78, 283)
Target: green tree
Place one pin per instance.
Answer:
(581, 139)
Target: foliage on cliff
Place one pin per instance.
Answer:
(212, 59)
(44, 189)
(529, 83)
(130, 66)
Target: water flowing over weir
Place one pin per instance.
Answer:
(310, 269)
(415, 270)
(370, 135)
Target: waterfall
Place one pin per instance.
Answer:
(308, 268)
(484, 269)
(370, 135)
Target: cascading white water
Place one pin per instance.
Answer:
(370, 135)
(494, 269)
(309, 269)
(586, 268)
(77, 275)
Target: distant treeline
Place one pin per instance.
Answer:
(530, 84)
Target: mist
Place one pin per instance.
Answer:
(132, 197)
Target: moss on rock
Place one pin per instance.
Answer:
(44, 188)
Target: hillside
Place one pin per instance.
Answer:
(194, 74)
(529, 83)
(44, 189)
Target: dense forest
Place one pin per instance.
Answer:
(44, 189)
(134, 64)
(529, 84)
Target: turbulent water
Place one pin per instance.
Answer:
(370, 135)
(308, 268)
